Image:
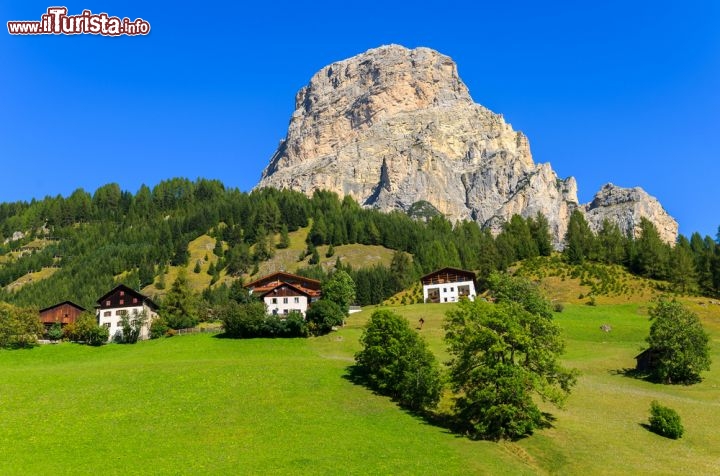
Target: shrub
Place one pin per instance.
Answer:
(55, 332)
(558, 307)
(158, 328)
(250, 320)
(85, 329)
(323, 315)
(665, 421)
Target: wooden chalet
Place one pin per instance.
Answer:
(63, 313)
(448, 285)
(285, 292)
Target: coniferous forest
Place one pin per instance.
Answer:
(96, 240)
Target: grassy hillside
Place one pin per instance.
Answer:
(356, 255)
(200, 404)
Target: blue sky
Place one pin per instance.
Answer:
(622, 92)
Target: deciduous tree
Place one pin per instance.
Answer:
(678, 344)
(504, 354)
(396, 362)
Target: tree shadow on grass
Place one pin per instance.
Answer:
(355, 375)
(449, 423)
(631, 373)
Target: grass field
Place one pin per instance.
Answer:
(204, 405)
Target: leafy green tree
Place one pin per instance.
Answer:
(323, 315)
(131, 325)
(395, 361)
(502, 355)
(678, 345)
(19, 326)
(340, 289)
(178, 306)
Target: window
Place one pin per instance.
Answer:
(107, 313)
(285, 300)
(122, 301)
(122, 293)
(134, 300)
(444, 290)
(285, 311)
(107, 303)
(118, 313)
(452, 289)
(107, 324)
(274, 300)
(296, 300)
(119, 324)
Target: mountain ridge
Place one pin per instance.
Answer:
(394, 126)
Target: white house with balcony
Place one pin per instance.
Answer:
(448, 285)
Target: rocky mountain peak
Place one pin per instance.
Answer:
(394, 126)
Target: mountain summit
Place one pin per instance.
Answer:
(395, 126)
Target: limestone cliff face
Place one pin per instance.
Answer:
(626, 206)
(394, 126)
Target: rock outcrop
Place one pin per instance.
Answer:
(626, 206)
(394, 126)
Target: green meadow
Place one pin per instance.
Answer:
(205, 405)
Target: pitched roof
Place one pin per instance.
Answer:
(298, 289)
(80, 308)
(449, 274)
(131, 292)
(309, 286)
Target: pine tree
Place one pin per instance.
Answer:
(178, 307)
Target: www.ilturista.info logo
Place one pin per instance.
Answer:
(57, 22)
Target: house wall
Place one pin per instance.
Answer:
(281, 307)
(111, 318)
(64, 314)
(449, 292)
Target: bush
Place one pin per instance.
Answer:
(558, 307)
(395, 361)
(55, 332)
(322, 316)
(85, 329)
(19, 326)
(665, 421)
(251, 320)
(158, 328)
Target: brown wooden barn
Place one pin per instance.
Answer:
(64, 313)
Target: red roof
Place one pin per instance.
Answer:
(281, 290)
(262, 286)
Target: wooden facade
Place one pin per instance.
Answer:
(63, 313)
(270, 282)
(447, 275)
(122, 296)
